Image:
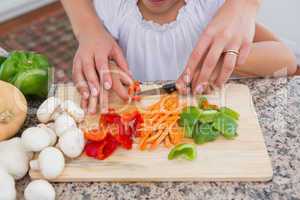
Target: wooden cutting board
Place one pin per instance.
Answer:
(242, 159)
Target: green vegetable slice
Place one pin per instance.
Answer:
(229, 112)
(204, 133)
(208, 116)
(189, 116)
(225, 125)
(187, 151)
(188, 131)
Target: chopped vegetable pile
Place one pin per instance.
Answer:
(207, 122)
(160, 125)
(164, 122)
(114, 130)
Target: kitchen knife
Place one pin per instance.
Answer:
(163, 89)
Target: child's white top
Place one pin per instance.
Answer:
(153, 51)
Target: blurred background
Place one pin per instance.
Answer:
(41, 25)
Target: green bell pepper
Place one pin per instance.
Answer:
(226, 126)
(187, 151)
(28, 71)
(204, 133)
(2, 59)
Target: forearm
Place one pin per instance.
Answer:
(82, 16)
(268, 58)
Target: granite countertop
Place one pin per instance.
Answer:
(277, 103)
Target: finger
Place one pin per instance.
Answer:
(197, 86)
(103, 71)
(103, 99)
(92, 108)
(84, 104)
(118, 57)
(91, 76)
(211, 61)
(120, 90)
(229, 64)
(79, 80)
(194, 60)
(244, 53)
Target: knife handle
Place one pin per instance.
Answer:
(170, 87)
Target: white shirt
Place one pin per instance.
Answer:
(153, 51)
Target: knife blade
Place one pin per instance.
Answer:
(163, 89)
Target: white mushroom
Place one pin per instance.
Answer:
(39, 190)
(50, 162)
(35, 139)
(50, 132)
(14, 158)
(7, 186)
(72, 142)
(62, 123)
(73, 110)
(48, 110)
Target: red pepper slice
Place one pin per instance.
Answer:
(110, 118)
(125, 141)
(109, 147)
(91, 148)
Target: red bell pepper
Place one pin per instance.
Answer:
(110, 118)
(125, 141)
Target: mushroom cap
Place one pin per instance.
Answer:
(47, 109)
(50, 132)
(39, 190)
(35, 139)
(15, 159)
(51, 162)
(62, 123)
(73, 110)
(7, 186)
(72, 142)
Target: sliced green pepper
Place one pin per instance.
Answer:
(229, 112)
(208, 116)
(225, 125)
(204, 133)
(188, 131)
(189, 116)
(187, 151)
(28, 71)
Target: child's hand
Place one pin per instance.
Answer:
(120, 81)
(91, 72)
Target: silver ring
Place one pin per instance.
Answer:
(232, 52)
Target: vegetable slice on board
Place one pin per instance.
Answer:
(231, 113)
(204, 133)
(189, 116)
(187, 151)
(226, 125)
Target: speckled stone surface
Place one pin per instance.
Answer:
(277, 103)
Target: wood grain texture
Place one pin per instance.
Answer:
(242, 159)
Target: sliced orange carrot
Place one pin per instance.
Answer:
(159, 140)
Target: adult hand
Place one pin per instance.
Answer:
(91, 72)
(232, 28)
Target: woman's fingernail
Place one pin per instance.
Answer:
(107, 85)
(199, 89)
(94, 91)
